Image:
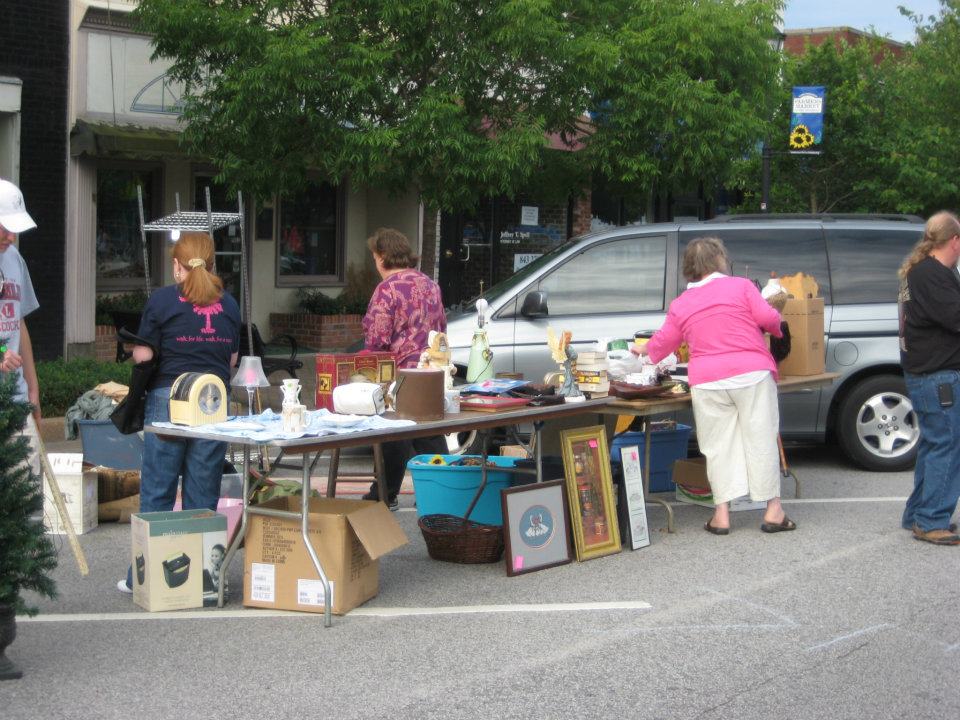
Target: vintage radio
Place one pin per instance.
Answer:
(198, 399)
(335, 369)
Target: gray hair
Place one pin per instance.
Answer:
(705, 255)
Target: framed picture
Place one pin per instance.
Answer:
(632, 505)
(535, 531)
(593, 514)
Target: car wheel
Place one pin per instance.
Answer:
(876, 425)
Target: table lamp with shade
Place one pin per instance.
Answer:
(250, 375)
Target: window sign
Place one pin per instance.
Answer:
(521, 260)
(529, 215)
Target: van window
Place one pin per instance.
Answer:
(625, 275)
(755, 253)
(864, 263)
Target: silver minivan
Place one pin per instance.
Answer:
(612, 283)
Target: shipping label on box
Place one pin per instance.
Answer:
(79, 491)
(349, 536)
(807, 355)
(694, 488)
(335, 369)
(177, 558)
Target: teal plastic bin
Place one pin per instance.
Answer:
(448, 489)
(666, 446)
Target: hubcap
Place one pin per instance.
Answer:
(887, 425)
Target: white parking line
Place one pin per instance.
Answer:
(252, 614)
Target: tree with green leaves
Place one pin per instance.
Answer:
(456, 98)
(859, 134)
(27, 556)
(921, 170)
(687, 91)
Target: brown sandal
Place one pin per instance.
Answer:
(782, 526)
(715, 530)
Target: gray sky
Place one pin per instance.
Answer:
(860, 14)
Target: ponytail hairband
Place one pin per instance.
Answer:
(196, 262)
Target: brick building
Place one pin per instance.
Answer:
(796, 40)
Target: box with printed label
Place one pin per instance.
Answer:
(79, 490)
(807, 356)
(349, 537)
(177, 558)
(694, 488)
(335, 369)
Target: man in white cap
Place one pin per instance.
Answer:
(17, 300)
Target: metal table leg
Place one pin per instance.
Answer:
(242, 531)
(304, 531)
(785, 471)
(646, 477)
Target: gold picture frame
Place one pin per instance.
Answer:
(593, 512)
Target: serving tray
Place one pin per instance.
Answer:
(627, 391)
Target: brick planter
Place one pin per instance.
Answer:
(321, 332)
(105, 343)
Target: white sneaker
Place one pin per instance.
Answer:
(123, 587)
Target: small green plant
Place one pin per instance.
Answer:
(27, 556)
(63, 381)
(352, 300)
(130, 302)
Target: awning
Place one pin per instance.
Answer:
(127, 142)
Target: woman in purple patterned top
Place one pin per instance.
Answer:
(405, 307)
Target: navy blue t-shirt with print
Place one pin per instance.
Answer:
(190, 338)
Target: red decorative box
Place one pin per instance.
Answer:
(335, 369)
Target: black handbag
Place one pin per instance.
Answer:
(780, 347)
(128, 415)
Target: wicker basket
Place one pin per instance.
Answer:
(451, 539)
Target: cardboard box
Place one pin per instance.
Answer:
(79, 490)
(335, 369)
(349, 537)
(176, 558)
(694, 488)
(807, 348)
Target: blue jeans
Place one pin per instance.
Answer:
(200, 462)
(936, 479)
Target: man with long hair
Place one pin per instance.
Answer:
(930, 355)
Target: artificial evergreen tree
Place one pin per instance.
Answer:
(27, 556)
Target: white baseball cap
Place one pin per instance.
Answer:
(13, 213)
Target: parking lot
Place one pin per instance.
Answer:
(846, 617)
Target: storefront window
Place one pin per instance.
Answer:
(119, 243)
(310, 247)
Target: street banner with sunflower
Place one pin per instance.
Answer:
(806, 119)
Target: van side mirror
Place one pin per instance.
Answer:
(535, 304)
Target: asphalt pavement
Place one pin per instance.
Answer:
(847, 617)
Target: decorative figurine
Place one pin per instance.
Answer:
(437, 357)
(563, 353)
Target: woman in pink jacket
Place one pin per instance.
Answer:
(733, 381)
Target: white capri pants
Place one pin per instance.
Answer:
(737, 432)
